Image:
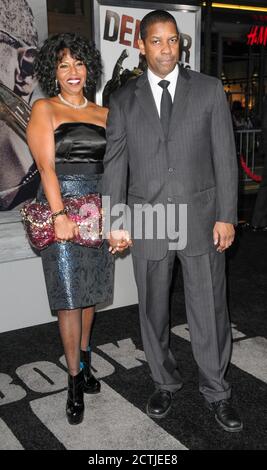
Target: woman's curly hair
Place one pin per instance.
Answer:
(51, 53)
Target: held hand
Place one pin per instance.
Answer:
(119, 240)
(65, 228)
(223, 235)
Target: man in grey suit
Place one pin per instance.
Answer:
(170, 142)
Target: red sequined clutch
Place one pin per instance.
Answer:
(86, 211)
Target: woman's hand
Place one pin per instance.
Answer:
(119, 240)
(65, 228)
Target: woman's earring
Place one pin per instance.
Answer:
(85, 89)
(57, 86)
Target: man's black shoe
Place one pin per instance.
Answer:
(226, 416)
(159, 404)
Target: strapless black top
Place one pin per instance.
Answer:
(79, 143)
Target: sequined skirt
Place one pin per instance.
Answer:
(77, 276)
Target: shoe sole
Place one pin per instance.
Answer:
(91, 393)
(228, 429)
(157, 416)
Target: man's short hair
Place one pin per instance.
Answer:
(156, 16)
(16, 18)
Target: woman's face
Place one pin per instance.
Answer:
(71, 74)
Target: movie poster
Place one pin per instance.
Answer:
(117, 32)
(23, 25)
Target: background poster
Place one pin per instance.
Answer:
(23, 25)
(117, 29)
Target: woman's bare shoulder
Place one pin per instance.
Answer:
(42, 103)
(42, 107)
(42, 112)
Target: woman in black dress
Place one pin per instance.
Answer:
(66, 135)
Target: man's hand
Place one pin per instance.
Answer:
(119, 240)
(223, 235)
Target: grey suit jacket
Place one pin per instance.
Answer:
(195, 165)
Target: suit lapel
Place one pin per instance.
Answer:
(180, 99)
(146, 100)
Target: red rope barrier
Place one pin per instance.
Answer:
(248, 171)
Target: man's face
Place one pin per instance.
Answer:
(161, 48)
(25, 81)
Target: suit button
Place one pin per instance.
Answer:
(171, 170)
(169, 199)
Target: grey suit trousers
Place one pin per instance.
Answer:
(207, 315)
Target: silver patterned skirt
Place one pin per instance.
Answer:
(77, 276)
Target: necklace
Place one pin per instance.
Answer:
(75, 106)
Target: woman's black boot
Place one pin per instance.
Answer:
(91, 384)
(75, 404)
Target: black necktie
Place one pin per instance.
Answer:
(165, 106)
